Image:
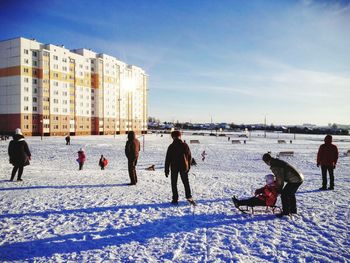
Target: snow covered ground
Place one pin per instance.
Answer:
(60, 214)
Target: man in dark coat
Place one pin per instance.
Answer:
(67, 140)
(132, 149)
(178, 159)
(285, 173)
(327, 157)
(19, 154)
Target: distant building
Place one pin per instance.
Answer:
(49, 90)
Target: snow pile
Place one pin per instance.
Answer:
(61, 214)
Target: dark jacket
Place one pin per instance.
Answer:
(284, 172)
(178, 157)
(327, 153)
(18, 151)
(132, 147)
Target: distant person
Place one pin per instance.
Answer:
(132, 149)
(19, 154)
(178, 160)
(327, 157)
(81, 158)
(265, 196)
(67, 140)
(103, 162)
(285, 173)
(203, 155)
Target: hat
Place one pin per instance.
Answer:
(18, 131)
(266, 157)
(81, 149)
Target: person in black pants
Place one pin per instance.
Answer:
(19, 154)
(132, 149)
(178, 159)
(285, 173)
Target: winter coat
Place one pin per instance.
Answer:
(284, 172)
(18, 151)
(178, 157)
(327, 153)
(81, 157)
(132, 147)
(268, 193)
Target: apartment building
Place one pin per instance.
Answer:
(47, 89)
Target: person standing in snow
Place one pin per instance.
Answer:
(178, 159)
(81, 158)
(19, 154)
(132, 149)
(327, 157)
(285, 173)
(103, 162)
(67, 140)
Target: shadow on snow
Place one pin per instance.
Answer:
(89, 240)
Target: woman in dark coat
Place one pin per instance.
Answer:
(19, 154)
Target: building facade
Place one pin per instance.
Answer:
(47, 89)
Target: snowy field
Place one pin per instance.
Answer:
(60, 214)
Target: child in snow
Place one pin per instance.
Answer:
(265, 196)
(81, 158)
(103, 162)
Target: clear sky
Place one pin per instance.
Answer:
(232, 61)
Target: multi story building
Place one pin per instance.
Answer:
(49, 90)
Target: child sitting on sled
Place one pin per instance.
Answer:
(265, 196)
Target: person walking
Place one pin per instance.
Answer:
(67, 140)
(132, 149)
(327, 157)
(19, 154)
(285, 173)
(81, 158)
(178, 160)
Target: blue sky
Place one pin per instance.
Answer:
(232, 61)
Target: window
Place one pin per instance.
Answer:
(34, 53)
(26, 117)
(55, 75)
(26, 61)
(34, 126)
(26, 108)
(64, 60)
(35, 90)
(55, 83)
(35, 108)
(25, 70)
(55, 57)
(55, 66)
(64, 102)
(26, 89)
(55, 101)
(35, 63)
(55, 92)
(55, 109)
(35, 81)
(26, 51)
(35, 99)
(45, 54)
(26, 98)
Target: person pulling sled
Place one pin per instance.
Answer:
(265, 196)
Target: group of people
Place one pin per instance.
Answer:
(284, 180)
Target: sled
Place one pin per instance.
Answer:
(261, 210)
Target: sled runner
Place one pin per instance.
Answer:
(260, 209)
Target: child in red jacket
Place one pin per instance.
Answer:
(81, 158)
(265, 196)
